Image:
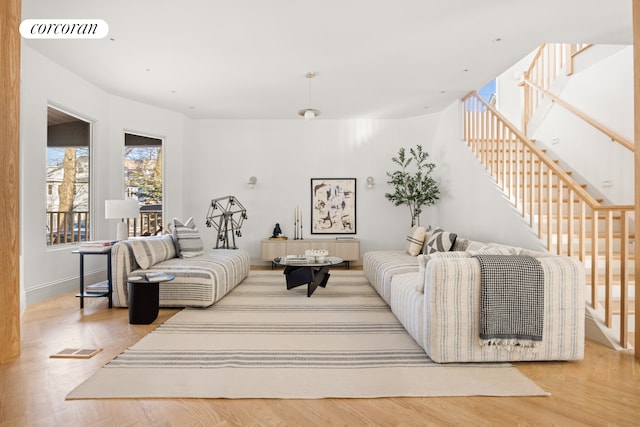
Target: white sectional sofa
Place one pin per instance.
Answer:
(437, 299)
(200, 280)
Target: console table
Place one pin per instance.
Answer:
(347, 249)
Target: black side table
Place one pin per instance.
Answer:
(144, 299)
(83, 290)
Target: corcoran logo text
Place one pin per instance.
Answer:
(64, 28)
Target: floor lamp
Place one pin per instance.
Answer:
(122, 209)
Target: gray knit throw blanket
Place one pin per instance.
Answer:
(511, 301)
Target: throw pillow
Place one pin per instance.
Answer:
(415, 240)
(440, 241)
(498, 249)
(150, 251)
(187, 238)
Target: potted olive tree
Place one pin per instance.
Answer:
(414, 187)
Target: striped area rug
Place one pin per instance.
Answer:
(262, 341)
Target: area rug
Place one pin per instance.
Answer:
(262, 341)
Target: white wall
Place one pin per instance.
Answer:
(471, 204)
(43, 81)
(50, 271)
(221, 155)
(206, 159)
(603, 91)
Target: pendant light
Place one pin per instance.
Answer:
(309, 113)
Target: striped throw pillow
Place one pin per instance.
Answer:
(151, 250)
(187, 237)
(415, 240)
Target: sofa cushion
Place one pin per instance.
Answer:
(152, 250)
(424, 259)
(380, 267)
(440, 241)
(408, 305)
(415, 240)
(199, 281)
(187, 237)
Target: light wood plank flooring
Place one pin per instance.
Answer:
(604, 389)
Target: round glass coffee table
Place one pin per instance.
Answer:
(299, 271)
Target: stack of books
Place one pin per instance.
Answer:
(157, 276)
(96, 246)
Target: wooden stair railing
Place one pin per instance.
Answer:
(551, 60)
(611, 134)
(562, 213)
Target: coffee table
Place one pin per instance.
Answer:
(300, 271)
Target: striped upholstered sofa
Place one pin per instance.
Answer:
(436, 298)
(199, 280)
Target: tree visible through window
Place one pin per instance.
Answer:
(68, 177)
(143, 180)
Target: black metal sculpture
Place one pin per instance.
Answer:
(221, 217)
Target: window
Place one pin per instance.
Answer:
(68, 178)
(143, 181)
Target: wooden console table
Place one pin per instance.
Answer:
(347, 249)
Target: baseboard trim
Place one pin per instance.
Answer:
(49, 290)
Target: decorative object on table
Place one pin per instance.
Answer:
(226, 214)
(96, 246)
(333, 205)
(309, 113)
(415, 189)
(297, 224)
(129, 208)
(277, 231)
(156, 276)
(316, 255)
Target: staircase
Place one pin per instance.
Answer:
(563, 214)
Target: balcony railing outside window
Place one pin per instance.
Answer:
(74, 227)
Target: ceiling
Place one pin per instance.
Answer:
(247, 59)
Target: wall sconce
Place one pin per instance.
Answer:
(370, 182)
(252, 182)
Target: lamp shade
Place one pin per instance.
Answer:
(121, 209)
(129, 208)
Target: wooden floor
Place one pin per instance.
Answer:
(604, 389)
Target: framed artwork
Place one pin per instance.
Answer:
(333, 206)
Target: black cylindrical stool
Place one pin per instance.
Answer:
(144, 300)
